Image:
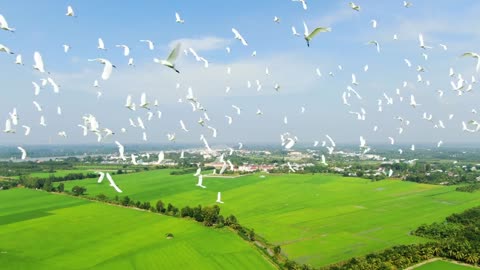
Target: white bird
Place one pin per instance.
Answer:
(239, 37)
(171, 137)
(121, 150)
(200, 181)
(59, 110)
(101, 45)
(170, 61)
(8, 127)
(354, 6)
(62, 134)
(365, 68)
(182, 125)
(128, 103)
(70, 12)
(107, 69)
(140, 123)
(276, 19)
(36, 88)
(422, 42)
(219, 197)
(178, 19)
(377, 45)
(42, 121)
(354, 79)
(413, 103)
(290, 143)
(392, 140)
(37, 58)
(303, 2)
(54, 85)
(37, 106)
(290, 168)
(134, 159)
(27, 130)
(412, 147)
(24, 153)
(161, 157)
(324, 162)
(407, 4)
(130, 62)
(66, 48)
(294, 31)
(229, 118)
(309, 36)
(473, 55)
(4, 24)
(374, 23)
(143, 101)
(101, 175)
(18, 60)
(126, 49)
(444, 47)
(151, 46)
(237, 109)
(112, 183)
(439, 143)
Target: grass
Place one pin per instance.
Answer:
(443, 265)
(39, 230)
(317, 219)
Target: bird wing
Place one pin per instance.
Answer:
(37, 57)
(319, 30)
(24, 153)
(3, 22)
(100, 178)
(112, 183)
(100, 43)
(174, 54)
(305, 27)
(107, 70)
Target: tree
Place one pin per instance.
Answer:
(77, 190)
(210, 215)
(145, 205)
(277, 250)
(125, 201)
(61, 187)
(102, 197)
(160, 206)
(231, 220)
(47, 185)
(251, 235)
(169, 207)
(186, 212)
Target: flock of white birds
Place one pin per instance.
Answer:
(90, 125)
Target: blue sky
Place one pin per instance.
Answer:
(42, 26)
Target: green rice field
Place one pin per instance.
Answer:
(39, 230)
(444, 265)
(316, 219)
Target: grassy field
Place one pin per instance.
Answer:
(39, 230)
(443, 265)
(317, 219)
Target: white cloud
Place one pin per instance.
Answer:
(201, 44)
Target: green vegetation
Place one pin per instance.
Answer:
(315, 219)
(41, 230)
(469, 188)
(443, 265)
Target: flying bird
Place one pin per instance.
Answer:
(24, 153)
(70, 12)
(170, 62)
(309, 36)
(239, 37)
(107, 69)
(4, 24)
